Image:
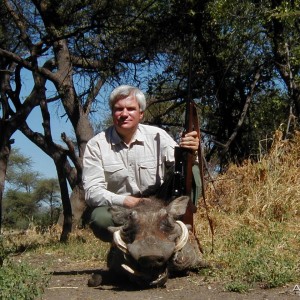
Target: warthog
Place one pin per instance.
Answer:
(152, 243)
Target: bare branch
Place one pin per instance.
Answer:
(244, 111)
(92, 95)
(72, 153)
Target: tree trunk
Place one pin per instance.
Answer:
(67, 209)
(5, 149)
(78, 204)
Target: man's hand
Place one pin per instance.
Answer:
(190, 141)
(131, 201)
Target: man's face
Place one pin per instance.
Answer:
(126, 115)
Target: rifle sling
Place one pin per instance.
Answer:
(201, 169)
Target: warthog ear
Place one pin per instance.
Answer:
(178, 206)
(119, 214)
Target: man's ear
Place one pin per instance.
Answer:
(141, 115)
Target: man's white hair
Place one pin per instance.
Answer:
(124, 91)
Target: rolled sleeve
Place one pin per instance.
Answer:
(95, 186)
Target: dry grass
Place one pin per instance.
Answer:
(255, 209)
(82, 244)
(256, 194)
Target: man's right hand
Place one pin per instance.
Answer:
(131, 201)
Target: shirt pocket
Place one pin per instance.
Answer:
(149, 176)
(115, 174)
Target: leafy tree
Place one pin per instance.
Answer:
(29, 198)
(222, 81)
(235, 78)
(283, 27)
(47, 195)
(19, 208)
(20, 175)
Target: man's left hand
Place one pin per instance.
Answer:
(190, 141)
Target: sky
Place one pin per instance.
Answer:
(41, 162)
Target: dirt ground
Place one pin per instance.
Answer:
(69, 281)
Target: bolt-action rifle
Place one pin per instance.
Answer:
(184, 158)
(184, 182)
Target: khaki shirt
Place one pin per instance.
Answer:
(112, 170)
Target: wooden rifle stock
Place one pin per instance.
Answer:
(183, 177)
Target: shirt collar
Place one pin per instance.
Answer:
(139, 137)
(115, 138)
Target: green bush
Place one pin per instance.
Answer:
(20, 281)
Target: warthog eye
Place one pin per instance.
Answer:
(133, 215)
(130, 229)
(128, 233)
(167, 225)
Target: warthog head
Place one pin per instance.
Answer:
(151, 242)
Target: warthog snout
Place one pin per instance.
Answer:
(151, 261)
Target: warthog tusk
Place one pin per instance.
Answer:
(130, 270)
(119, 242)
(183, 238)
(160, 279)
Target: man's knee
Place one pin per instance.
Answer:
(100, 220)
